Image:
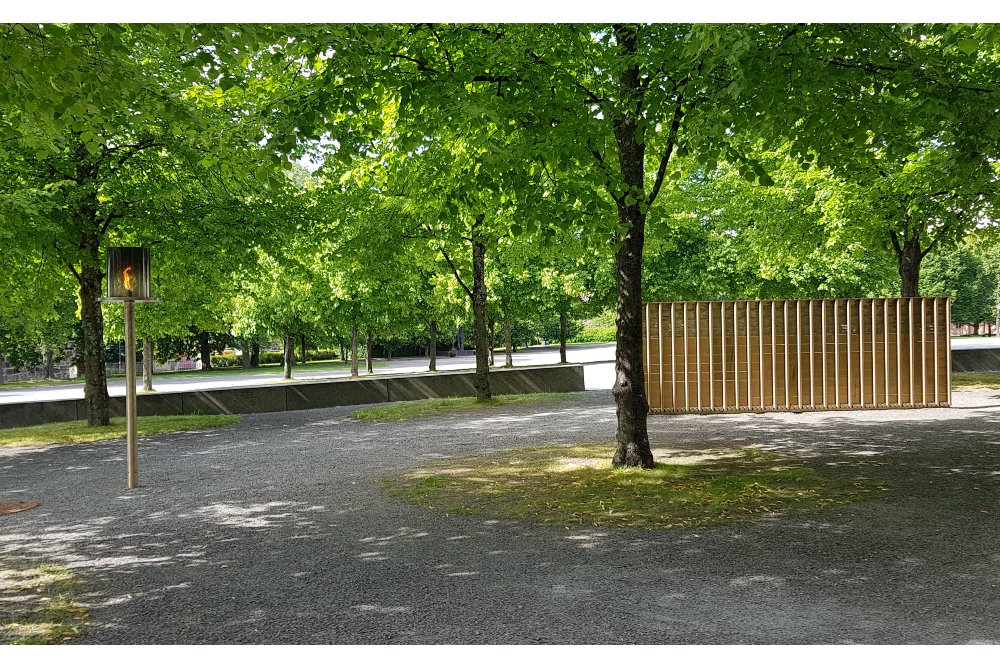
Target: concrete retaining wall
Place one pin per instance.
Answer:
(970, 361)
(307, 395)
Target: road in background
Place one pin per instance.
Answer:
(974, 343)
(598, 373)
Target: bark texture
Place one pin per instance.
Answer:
(482, 379)
(368, 351)
(909, 258)
(95, 388)
(508, 346)
(432, 347)
(629, 389)
(206, 351)
(255, 355)
(562, 338)
(354, 350)
(288, 358)
(147, 363)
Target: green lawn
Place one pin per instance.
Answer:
(264, 369)
(577, 485)
(76, 432)
(440, 406)
(975, 380)
(37, 603)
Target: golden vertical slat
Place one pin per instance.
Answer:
(647, 344)
(912, 336)
(836, 350)
(812, 361)
(937, 346)
(861, 352)
(798, 350)
(774, 360)
(697, 349)
(874, 355)
(784, 330)
(947, 323)
(749, 355)
(736, 355)
(687, 401)
(711, 359)
(850, 379)
(923, 351)
(823, 341)
(722, 336)
(899, 352)
(673, 356)
(885, 323)
(659, 328)
(760, 359)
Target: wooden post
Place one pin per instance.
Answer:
(132, 452)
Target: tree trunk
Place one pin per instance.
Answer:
(95, 388)
(246, 358)
(343, 351)
(368, 351)
(493, 339)
(562, 338)
(908, 257)
(49, 364)
(507, 340)
(354, 351)
(289, 356)
(304, 357)
(629, 389)
(482, 380)
(147, 363)
(255, 355)
(432, 347)
(3, 369)
(206, 351)
(975, 329)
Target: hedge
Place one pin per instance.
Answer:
(595, 335)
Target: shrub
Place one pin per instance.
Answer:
(595, 335)
(312, 355)
(226, 361)
(272, 357)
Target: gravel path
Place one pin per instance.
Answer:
(275, 531)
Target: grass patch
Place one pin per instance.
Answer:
(75, 432)
(436, 406)
(576, 485)
(25, 384)
(975, 380)
(37, 603)
(263, 369)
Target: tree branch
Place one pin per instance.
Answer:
(454, 269)
(675, 125)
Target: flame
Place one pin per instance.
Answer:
(127, 278)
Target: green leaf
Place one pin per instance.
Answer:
(968, 46)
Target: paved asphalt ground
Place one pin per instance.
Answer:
(275, 530)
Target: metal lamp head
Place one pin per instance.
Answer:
(128, 273)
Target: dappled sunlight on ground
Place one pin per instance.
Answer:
(278, 531)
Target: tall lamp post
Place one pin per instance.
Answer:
(128, 282)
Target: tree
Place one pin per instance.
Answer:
(961, 274)
(86, 152)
